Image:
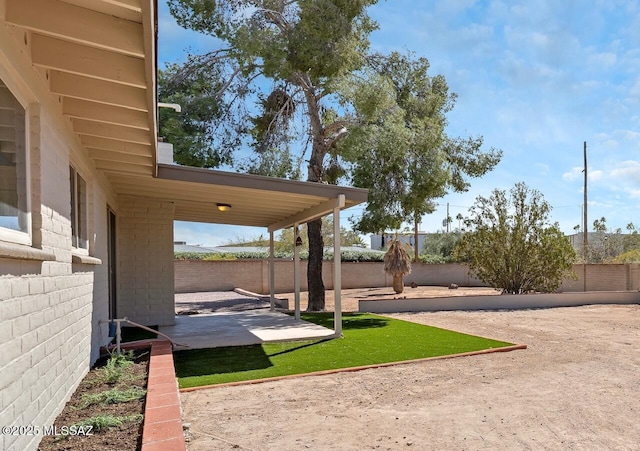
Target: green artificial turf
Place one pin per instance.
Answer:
(368, 340)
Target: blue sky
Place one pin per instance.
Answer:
(536, 79)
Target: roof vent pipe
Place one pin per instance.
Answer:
(174, 106)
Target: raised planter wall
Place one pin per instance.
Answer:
(253, 275)
(505, 301)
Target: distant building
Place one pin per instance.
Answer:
(380, 242)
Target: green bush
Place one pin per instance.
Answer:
(365, 255)
(357, 256)
(432, 259)
(221, 256)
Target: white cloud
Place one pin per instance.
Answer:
(543, 168)
(628, 170)
(635, 89)
(572, 175)
(596, 175)
(603, 60)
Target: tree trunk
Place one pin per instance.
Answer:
(398, 283)
(315, 174)
(314, 266)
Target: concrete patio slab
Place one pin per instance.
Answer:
(211, 330)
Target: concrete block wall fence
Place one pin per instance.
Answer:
(253, 275)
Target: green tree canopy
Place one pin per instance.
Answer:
(511, 244)
(440, 244)
(398, 147)
(210, 126)
(312, 91)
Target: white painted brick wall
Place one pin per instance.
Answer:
(49, 311)
(145, 261)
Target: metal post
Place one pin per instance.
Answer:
(337, 270)
(118, 336)
(296, 271)
(585, 239)
(272, 275)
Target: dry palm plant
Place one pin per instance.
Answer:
(397, 263)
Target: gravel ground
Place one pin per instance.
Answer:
(575, 387)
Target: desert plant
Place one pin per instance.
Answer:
(115, 368)
(113, 396)
(632, 256)
(397, 263)
(512, 246)
(100, 422)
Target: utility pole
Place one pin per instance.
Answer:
(416, 234)
(448, 217)
(585, 231)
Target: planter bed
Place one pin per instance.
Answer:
(89, 411)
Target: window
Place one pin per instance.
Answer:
(14, 192)
(78, 210)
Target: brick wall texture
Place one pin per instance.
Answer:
(49, 336)
(54, 310)
(145, 261)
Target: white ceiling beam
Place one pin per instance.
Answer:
(123, 168)
(112, 145)
(100, 154)
(83, 109)
(309, 214)
(81, 25)
(108, 93)
(279, 207)
(7, 134)
(130, 4)
(8, 147)
(7, 100)
(91, 62)
(149, 20)
(8, 118)
(111, 131)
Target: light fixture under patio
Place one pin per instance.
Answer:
(223, 207)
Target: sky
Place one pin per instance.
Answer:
(535, 79)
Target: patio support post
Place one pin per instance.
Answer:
(337, 269)
(272, 273)
(296, 270)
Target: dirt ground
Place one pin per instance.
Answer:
(230, 301)
(575, 387)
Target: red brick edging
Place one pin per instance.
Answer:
(162, 429)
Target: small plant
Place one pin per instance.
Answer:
(115, 368)
(112, 396)
(100, 422)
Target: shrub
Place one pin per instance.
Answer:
(512, 246)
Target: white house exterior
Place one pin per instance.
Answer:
(86, 211)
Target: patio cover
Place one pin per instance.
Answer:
(255, 201)
(98, 60)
